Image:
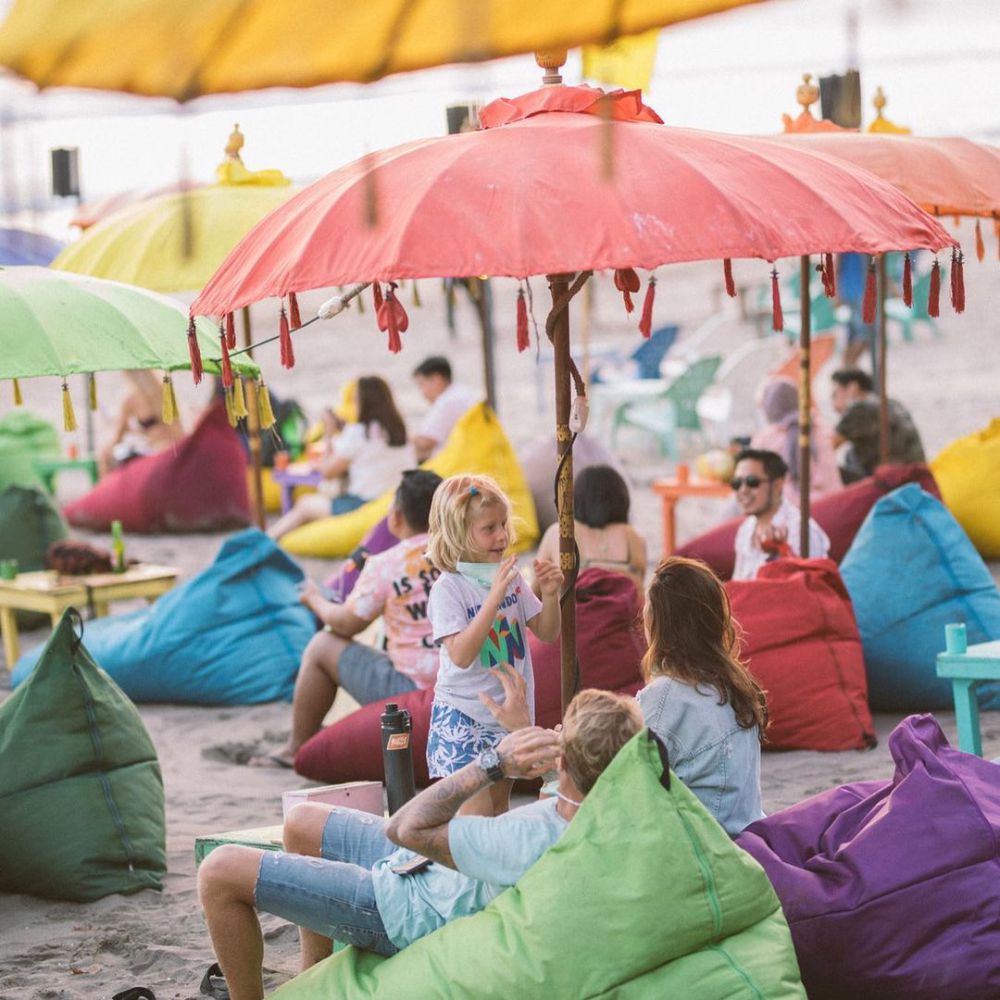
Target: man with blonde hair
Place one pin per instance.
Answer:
(368, 893)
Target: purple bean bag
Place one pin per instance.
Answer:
(890, 887)
(377, 540)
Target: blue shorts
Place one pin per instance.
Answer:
(367, 674)
(332, 895)
(456, 739)
(345, 503)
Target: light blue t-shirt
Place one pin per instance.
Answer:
(491, 853)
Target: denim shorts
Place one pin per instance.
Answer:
(367, 674)
(456, 739)
(345, 503)
(332, 895)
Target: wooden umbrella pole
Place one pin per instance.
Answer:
(805, 407)
(883, 381)
(253, 431)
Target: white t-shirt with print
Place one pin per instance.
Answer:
(375, 467)
(445, 412)
(454, 602)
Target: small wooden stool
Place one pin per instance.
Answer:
(965, 669)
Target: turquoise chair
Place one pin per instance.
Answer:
(675, 409)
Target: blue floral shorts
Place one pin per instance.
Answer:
(456, 739)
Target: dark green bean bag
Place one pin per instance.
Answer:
(23, 439)
(644, 896)
(81, 797)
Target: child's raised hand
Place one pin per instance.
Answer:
(308, 593)
(506, 575)
(513, 713)
(549, 577)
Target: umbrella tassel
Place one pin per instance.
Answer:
(69, 417)
(416, 295)
(18, 398)
(392, 318)
(778, 321)
(230, 332)
(957, 281)
(264, 409)
(293, 311)
(830, 273)
(727, 271)
(92, 392)
(285, 340)
(239, 400)
(646, 320)
(868, 303)
(980, 243)
(523, 338)
(933, 296)
(194, 351)
(169, 413)
(907, 281)
(227, 368)
(230, 415)
(377, 296)
(627, 282)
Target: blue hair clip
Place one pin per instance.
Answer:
(473, 491)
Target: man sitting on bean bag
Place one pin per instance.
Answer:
(394, 585)
(366, 892)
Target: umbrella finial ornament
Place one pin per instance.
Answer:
(523, 338)
(881, 123)
(807, 93)
(551, 60)
(234, 144)
(646, 320)
(194, 352)
(957, 280)
(778, 317)
(934, 293)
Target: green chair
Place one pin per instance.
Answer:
(675, 409)
(897, 312)
(49, 468)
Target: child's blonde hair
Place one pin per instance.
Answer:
(456, 501)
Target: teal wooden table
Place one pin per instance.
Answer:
(980, 662)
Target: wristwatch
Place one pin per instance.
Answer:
(489, 761)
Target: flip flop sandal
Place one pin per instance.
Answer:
(270, 760)
(214, 983)
(135, 993)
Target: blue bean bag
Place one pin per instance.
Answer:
(911, 571)
(232, 635)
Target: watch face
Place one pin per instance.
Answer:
(489, 759)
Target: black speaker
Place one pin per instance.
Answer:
(65, 173)
(462, 117)
(840, 98)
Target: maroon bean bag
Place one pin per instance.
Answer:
(610, 641)
(802, 645)
(200, 484)
(839, 514)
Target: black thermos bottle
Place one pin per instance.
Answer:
(397, 756)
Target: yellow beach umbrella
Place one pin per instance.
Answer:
(186, 48)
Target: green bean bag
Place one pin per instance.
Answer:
(81, 797)
(643, 896)
(23, 439)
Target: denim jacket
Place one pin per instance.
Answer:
(717, 759)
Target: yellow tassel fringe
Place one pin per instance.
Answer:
(92, 391)
(69, 417)
(18, 398)
(239, 399)
(169, 400)
(416, 295)
(230, 415)
(264, 406)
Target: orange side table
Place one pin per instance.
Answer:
(671, 491)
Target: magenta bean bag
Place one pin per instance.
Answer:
(377, 540)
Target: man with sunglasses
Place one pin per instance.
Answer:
(771, 529)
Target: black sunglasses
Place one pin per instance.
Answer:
(752, 481)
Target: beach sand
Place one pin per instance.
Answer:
(51, 949)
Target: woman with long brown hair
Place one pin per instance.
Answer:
(363, 461)
(699, 698)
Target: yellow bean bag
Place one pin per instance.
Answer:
(477, 444)
(968, 474)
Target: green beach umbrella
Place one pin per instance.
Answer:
(60, 324)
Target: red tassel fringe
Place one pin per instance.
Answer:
(194, 352)
(727, 271)
(907, 281)
(627, 282)
(868, 304)
(829, 277)
(523, 340)
(957, 281)
(294, 320)
(980, 244)
(646, 321)
(377, 296)
(778, 323)
(230, 332)
(392, 318)
(934, 295)
(227, 368)
(285, 341)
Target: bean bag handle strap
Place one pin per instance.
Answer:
(661, 748)
(135, 993)
(76, 622)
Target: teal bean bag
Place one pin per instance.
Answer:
(81, 797)
(644, 896)
(232, 635)
(23, 439)
(910, 571)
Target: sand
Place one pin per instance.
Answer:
(52, 949)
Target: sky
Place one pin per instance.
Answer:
(938, 61)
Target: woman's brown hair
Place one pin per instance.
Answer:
(376, 406)
(692, 636)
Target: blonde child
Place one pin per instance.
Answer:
(479, 609)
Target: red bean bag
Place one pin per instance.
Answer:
(198, 485)
(610, 642)
(802, 645)
(839, 514)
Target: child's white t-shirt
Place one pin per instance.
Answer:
(453, 603)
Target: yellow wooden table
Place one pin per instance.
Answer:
(51, 593)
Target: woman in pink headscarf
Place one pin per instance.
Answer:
(779, 402)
